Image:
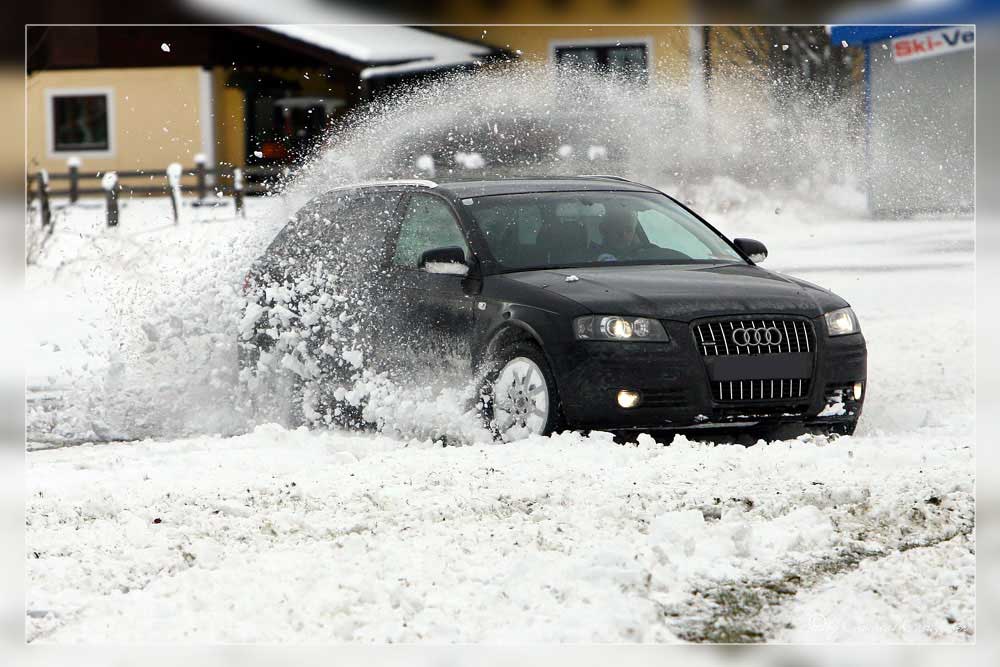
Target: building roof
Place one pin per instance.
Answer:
(388, 49)
(368, 51)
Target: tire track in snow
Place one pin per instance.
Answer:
(568, 538)
(753, 610)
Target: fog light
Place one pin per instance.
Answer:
(628, 399)
(858, 390)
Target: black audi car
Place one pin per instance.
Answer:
(586, 302)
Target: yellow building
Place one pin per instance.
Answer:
(671, 52)
(130, 118)
(138, 98)
(637, 40)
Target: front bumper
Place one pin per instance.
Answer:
(675, 386)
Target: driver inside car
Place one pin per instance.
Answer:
(620, 235)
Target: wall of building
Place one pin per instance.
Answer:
(668, 46)
(155, 118)
(11, 143)
(587, 12)
(737, 53)
(230, 120)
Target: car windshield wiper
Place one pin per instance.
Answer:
(731, 263)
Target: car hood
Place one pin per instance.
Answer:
(683, 292)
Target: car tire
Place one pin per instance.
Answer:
(518, 396)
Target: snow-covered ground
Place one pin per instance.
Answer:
(180, 534)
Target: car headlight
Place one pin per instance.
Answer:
(618, 327)
(841, 322)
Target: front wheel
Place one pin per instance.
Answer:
(519, 395)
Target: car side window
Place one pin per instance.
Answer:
(346, 230)
(427, 224)
(302, 236)
(365, 226)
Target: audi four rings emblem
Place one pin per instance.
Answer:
(757, 336)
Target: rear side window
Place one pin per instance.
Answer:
(360, 232)
(427, 224)
(300, 239)
(338, 228)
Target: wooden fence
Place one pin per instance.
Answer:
(211, 187)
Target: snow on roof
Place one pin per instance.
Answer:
(415, 66)
(389, 45)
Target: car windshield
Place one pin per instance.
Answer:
(566, 229)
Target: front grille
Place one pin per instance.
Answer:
(754, 336)
(760, 390)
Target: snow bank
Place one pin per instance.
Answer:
(291, 536)
(912, 596)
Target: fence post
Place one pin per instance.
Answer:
(199, 169)
(43, 197)
(109, 182)
(73, 166)
(174, 184)
(238, 191)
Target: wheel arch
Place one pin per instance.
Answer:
(506, 333)
(510, 331)
(509, 334)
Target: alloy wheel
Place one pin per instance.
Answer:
(520, 400)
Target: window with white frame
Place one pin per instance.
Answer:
(80, 121)
(629, 61)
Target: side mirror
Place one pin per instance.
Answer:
(755, 250)
(449, 260)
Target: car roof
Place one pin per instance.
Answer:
(509, 186)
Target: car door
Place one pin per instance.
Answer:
(360, 287)
(437, 312)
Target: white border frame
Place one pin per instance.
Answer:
(50, 149)
(646, 41)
